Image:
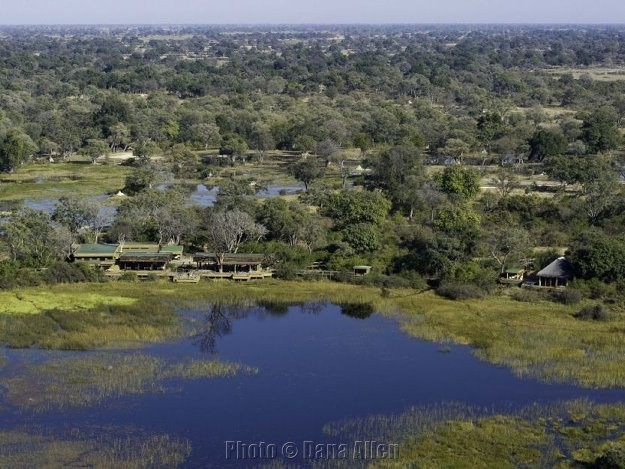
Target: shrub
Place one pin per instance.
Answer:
(593, 313)
(566, 297)
(460, 291)
(62, 272)
(614, 458)
(129, 277)
(526, 295)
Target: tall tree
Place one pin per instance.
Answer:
(15, 150)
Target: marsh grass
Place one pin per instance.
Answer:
(87, 380)
(105, 325)
(105, 449)
(77, 178)
(541, 339)
(567, 434)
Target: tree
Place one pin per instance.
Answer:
(362, 237)
(600, 131)
(236, 194)
(505, 242)
(94, 149)
(145, 175)
(146, 149)
(599, 186)
(206, 134)
(31, 238)
(119, 137)
(399, 173)
(154, 215)
(505, 181)
(15, 150)
(304, 144)
(183, 160)
(455, 147)
(327, 150)
(595, 255)
(462, 183)
(489, 127)
(225, 231)
(261, 140)
(362, 142)
(233, 145)
(78, 214)
(547, 143)
(351, 207)
(306, 171)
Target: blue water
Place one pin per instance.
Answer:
(316, 366)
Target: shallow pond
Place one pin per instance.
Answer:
(317, 364)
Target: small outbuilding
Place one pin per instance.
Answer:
(557, 274)
(360, 270)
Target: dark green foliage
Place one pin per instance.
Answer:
(307, 171)
(15, 150)
(526, 295)
(600, 131)
(566, 297)
(593, 313)
(350, 207)
(596, 255)
(460, 291)
(362, 237)
(399, 173)
(547, 143)
(458, 181)
(614, 458)
(63, 272)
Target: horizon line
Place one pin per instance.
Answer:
(432, 23)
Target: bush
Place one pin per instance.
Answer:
(566, 297)
(526, 295)
(62, 272)
(460, 291)
(129, 277)
(614, 458)
(593, 313)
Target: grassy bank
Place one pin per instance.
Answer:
(540, 339)
(571, 434)
(89, 379)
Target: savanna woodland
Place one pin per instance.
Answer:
(467, 181)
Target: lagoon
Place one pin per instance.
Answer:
(317, 363)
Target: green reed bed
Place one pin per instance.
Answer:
(89, 379)
(569, 434)
(102, 448)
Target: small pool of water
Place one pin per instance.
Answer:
(317, 364)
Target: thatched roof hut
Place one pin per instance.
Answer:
(556, 274)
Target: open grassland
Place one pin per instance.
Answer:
(77, 178)
(100, 448)
(570, 434)
(90, 379)
(595, 73)
(540, 339)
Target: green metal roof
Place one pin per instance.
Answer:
(172, 249)
(96, 249)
